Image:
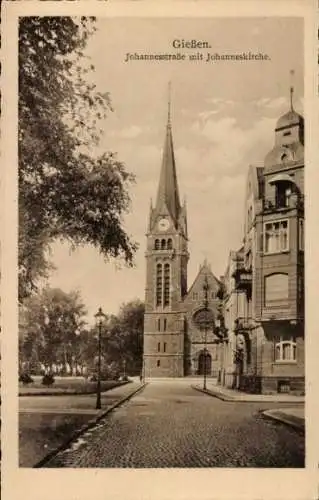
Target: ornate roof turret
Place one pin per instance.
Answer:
(290, 118)
(289, 138)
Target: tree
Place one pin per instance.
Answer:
(64, 192)
(125, 336)
(50, 324)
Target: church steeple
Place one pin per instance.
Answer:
(292, 73)
(168, 194)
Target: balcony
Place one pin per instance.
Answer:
(243, 278)
(242, 325)
(275, 204)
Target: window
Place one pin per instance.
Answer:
(166, 284)
(165, 324)
(163, 244)
(276, 289)
(276, 236)
(164, 346)
(169, 244)
(250, 216)
(158, 347)
(285, 349)
(158, 362)
(157, 244)
(283, 193)
(301, 234)
(159, 325)
(248, 260)
(159, 284)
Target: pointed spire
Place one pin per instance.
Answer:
(292, 74)
(168, 188)
(169, 123)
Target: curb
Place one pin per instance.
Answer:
(295, 422)
(65, 393)
(231, 399)
(85, 428)
(215, 395)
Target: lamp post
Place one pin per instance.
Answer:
(99, 317)
(205, 288)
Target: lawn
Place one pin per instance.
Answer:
(40, 434)
(65, 385)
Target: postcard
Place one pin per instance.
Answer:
(158, 251)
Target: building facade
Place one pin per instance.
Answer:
(269, 272)
(175, 342)
(247, 327)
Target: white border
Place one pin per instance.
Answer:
(73, 484)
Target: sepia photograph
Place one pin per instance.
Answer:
(161, 242)
(161, 208)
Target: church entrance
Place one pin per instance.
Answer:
(201, 363)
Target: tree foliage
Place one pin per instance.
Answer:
(126, 336)
(50, 325)
(65, 192)
(53, 332)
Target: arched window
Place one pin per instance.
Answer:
(285, 349)
(158, 346)
(159, 284)
(158, 363)
(169, 244)
(164, 346)
(159, 324)
(166, 284)
(276, 289)
(157, 244)
(163, 244)
(165, 324)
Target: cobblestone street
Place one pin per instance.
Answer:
(169, 424)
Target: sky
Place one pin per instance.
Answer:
(223, 119)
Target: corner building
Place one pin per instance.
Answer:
(269, 272)
(173, 345)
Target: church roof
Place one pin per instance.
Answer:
(204, 270)
(168, 193)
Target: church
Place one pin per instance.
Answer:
(175, 342)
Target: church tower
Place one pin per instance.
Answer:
(166, 273)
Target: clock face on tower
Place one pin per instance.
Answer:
(163, 224)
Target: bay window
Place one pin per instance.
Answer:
(276, 236)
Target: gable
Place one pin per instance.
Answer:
(196, 292)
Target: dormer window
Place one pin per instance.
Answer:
(163, 244)
(169, 244)
(157, 244)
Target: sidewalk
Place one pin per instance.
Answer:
(232, 395)
(295, 417)
(47, 424)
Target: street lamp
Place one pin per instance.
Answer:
(99, 317)
(205, 288)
